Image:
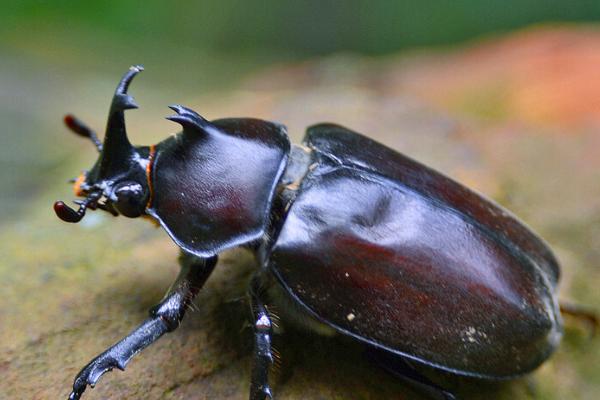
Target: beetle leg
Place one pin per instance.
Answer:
(263, 356)
(582, 314)
(401, 369)
(164, 317)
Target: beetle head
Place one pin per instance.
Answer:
(117, 182)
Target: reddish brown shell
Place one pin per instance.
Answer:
(399, 256)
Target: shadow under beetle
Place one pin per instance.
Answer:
(367, 241)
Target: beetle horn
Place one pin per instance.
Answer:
(116, 144)
(189, 119)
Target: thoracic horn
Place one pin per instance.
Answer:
(189, 119)
(116, 146)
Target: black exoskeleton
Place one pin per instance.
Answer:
(365, 240)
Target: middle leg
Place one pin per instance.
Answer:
(263, 330)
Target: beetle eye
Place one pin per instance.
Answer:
(130, 199)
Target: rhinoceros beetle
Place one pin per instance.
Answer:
(363, 239)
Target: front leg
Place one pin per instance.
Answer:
(164, 317)
(263, 357)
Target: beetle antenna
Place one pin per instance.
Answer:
(77, 126)
(68, 214)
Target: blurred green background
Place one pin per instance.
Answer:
(48, 50)
(503, 96)
(280, 28)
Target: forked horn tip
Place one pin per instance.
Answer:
(188, 118)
